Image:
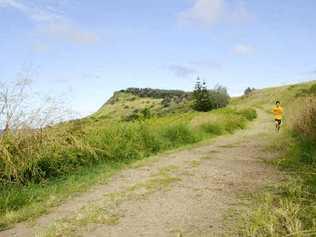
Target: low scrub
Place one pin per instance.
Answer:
(311, 91)
(213, 128)
(249, 114)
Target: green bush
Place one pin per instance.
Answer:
(213, 128)
(179, 134)
(249, 114)
(205, 100)
(232, 123)
(311, 91)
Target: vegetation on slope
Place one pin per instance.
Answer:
(128, 105)
(135, 103)
(289, 208)
(43, 162)
(206, 100)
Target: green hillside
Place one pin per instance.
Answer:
(128, 104)
(40, 169)
(265, 98)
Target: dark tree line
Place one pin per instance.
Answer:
(156, 93)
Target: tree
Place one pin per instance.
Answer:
(248, 91)
(219, 97)
(201, 98)
(12, 101)
(21, 107)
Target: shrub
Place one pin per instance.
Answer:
(249, 114)
(212, 128)
(179, 134)
(219, 97)
(231, 123)
(205, 100)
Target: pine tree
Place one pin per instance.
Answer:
(201, 98)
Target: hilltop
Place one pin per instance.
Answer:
(134, 103)
(128, 104)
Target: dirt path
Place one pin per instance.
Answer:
(185, 193)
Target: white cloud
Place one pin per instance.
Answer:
(36, 13)
(51, 22)
(244, 49)
(206, 12)
(210, 12)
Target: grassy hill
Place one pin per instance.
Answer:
(128, 104)
(39, 169)
(265, 98)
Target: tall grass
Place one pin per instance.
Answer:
(34, 158)
(31, 155)
(302, 118)
(289, 208)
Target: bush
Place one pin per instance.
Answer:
(205, 100)
(233, 123)
(311, 91)
(212, 128)
(249, 114)
(219, 97)
(179, 134)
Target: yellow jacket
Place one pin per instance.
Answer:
(278, 112)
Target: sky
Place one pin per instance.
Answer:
(86, 50)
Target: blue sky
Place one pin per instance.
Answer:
(85, 50)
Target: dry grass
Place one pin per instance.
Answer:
(126, 103)
(33, 155)
(289, 208)
(301, 117)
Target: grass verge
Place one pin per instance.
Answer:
(288, 208)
